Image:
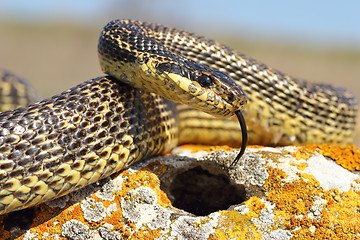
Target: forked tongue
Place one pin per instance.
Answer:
(244, 137)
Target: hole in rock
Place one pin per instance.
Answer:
(19, 220)
(201, 192)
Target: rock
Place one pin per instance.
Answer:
(272, 193)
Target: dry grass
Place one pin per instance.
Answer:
(55, 58)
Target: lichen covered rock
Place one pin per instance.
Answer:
(273, 193)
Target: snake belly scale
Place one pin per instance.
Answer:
(99, 127)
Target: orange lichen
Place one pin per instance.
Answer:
(146, 233)
(338, 216)
(304, 152)
(302, 166)
(255, 206)
(49, 220)
(4, 234)
(197, 147)
(346, 156)
(307, 176)
(233, 225)
(53, 225)
(146, 178)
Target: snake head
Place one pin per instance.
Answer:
(127, 53)
(224, 87)
(202, 87)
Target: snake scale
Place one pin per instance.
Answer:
(103, 125)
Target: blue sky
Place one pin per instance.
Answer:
(333, 23)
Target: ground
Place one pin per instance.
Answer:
(309, 192)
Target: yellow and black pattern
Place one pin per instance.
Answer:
(71, 140)
(15, 92)
(102, 126)
(280, 110)
(128, 54)
(61, 144)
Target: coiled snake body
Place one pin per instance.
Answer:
(64, 143)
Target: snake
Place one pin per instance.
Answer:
(163, 87)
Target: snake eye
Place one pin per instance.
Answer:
(204, 81)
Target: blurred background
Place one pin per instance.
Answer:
(53, 43)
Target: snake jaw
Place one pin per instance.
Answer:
(219, 98)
